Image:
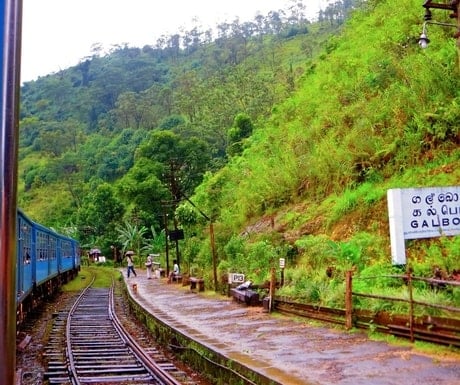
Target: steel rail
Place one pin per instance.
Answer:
(136, 365)
(91, 331)
(143, 356)
(69, 352)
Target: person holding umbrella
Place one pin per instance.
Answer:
(129, 258)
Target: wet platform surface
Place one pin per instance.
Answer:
(288, 350)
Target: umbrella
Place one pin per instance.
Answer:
(95, 251)
(130, 252)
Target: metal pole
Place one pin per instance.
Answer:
(10, 34)
(176, 240)
(165, 219)
(213, 251)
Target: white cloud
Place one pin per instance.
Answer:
(59, 33)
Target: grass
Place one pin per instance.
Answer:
(434, 351)
(103, 277)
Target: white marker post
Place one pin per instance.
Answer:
(282, 266)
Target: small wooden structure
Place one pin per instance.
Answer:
(196, 283)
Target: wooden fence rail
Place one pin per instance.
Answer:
(408, 279)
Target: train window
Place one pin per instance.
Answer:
(25, 242)
(42, 246)
(52, 244)
(66, 249)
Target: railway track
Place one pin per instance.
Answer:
(88, 345)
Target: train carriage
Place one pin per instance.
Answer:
(69, 255)
(45, 260)
(45, 255)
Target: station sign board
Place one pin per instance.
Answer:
(176, 235)
(235, 278)
(416, 213)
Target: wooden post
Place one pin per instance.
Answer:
(411, 304)
(272, 289)
(348, 300)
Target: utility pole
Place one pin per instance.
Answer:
(171, 206)
(177, 195)
(165, 221)
(211, 236)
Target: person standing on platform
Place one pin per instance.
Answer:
(148, 265)
(130, 265)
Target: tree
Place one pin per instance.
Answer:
(101, 211)
(133, 109)
(56, 137)
(188, 158)
(144, 190)
(131, 237)
(188, 94)
(155, 243)
(242, 128)
(67, 169)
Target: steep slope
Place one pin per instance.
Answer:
(373, 113)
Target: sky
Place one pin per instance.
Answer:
(57, 34)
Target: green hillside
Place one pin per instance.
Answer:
(288, 140)
(372, 113)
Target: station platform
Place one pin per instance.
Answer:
(288, 350)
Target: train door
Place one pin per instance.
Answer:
(24, 257)
(41, 257)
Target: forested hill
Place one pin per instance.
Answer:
(82, 126)
(285, 133)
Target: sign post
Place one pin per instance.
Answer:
(235, 278)
(282, 266)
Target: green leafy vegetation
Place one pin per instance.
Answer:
(285, 139)
(103, 277)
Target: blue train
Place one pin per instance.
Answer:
(45, 261)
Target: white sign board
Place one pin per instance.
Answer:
(282, 263)
(421, 213)
(235, 278)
